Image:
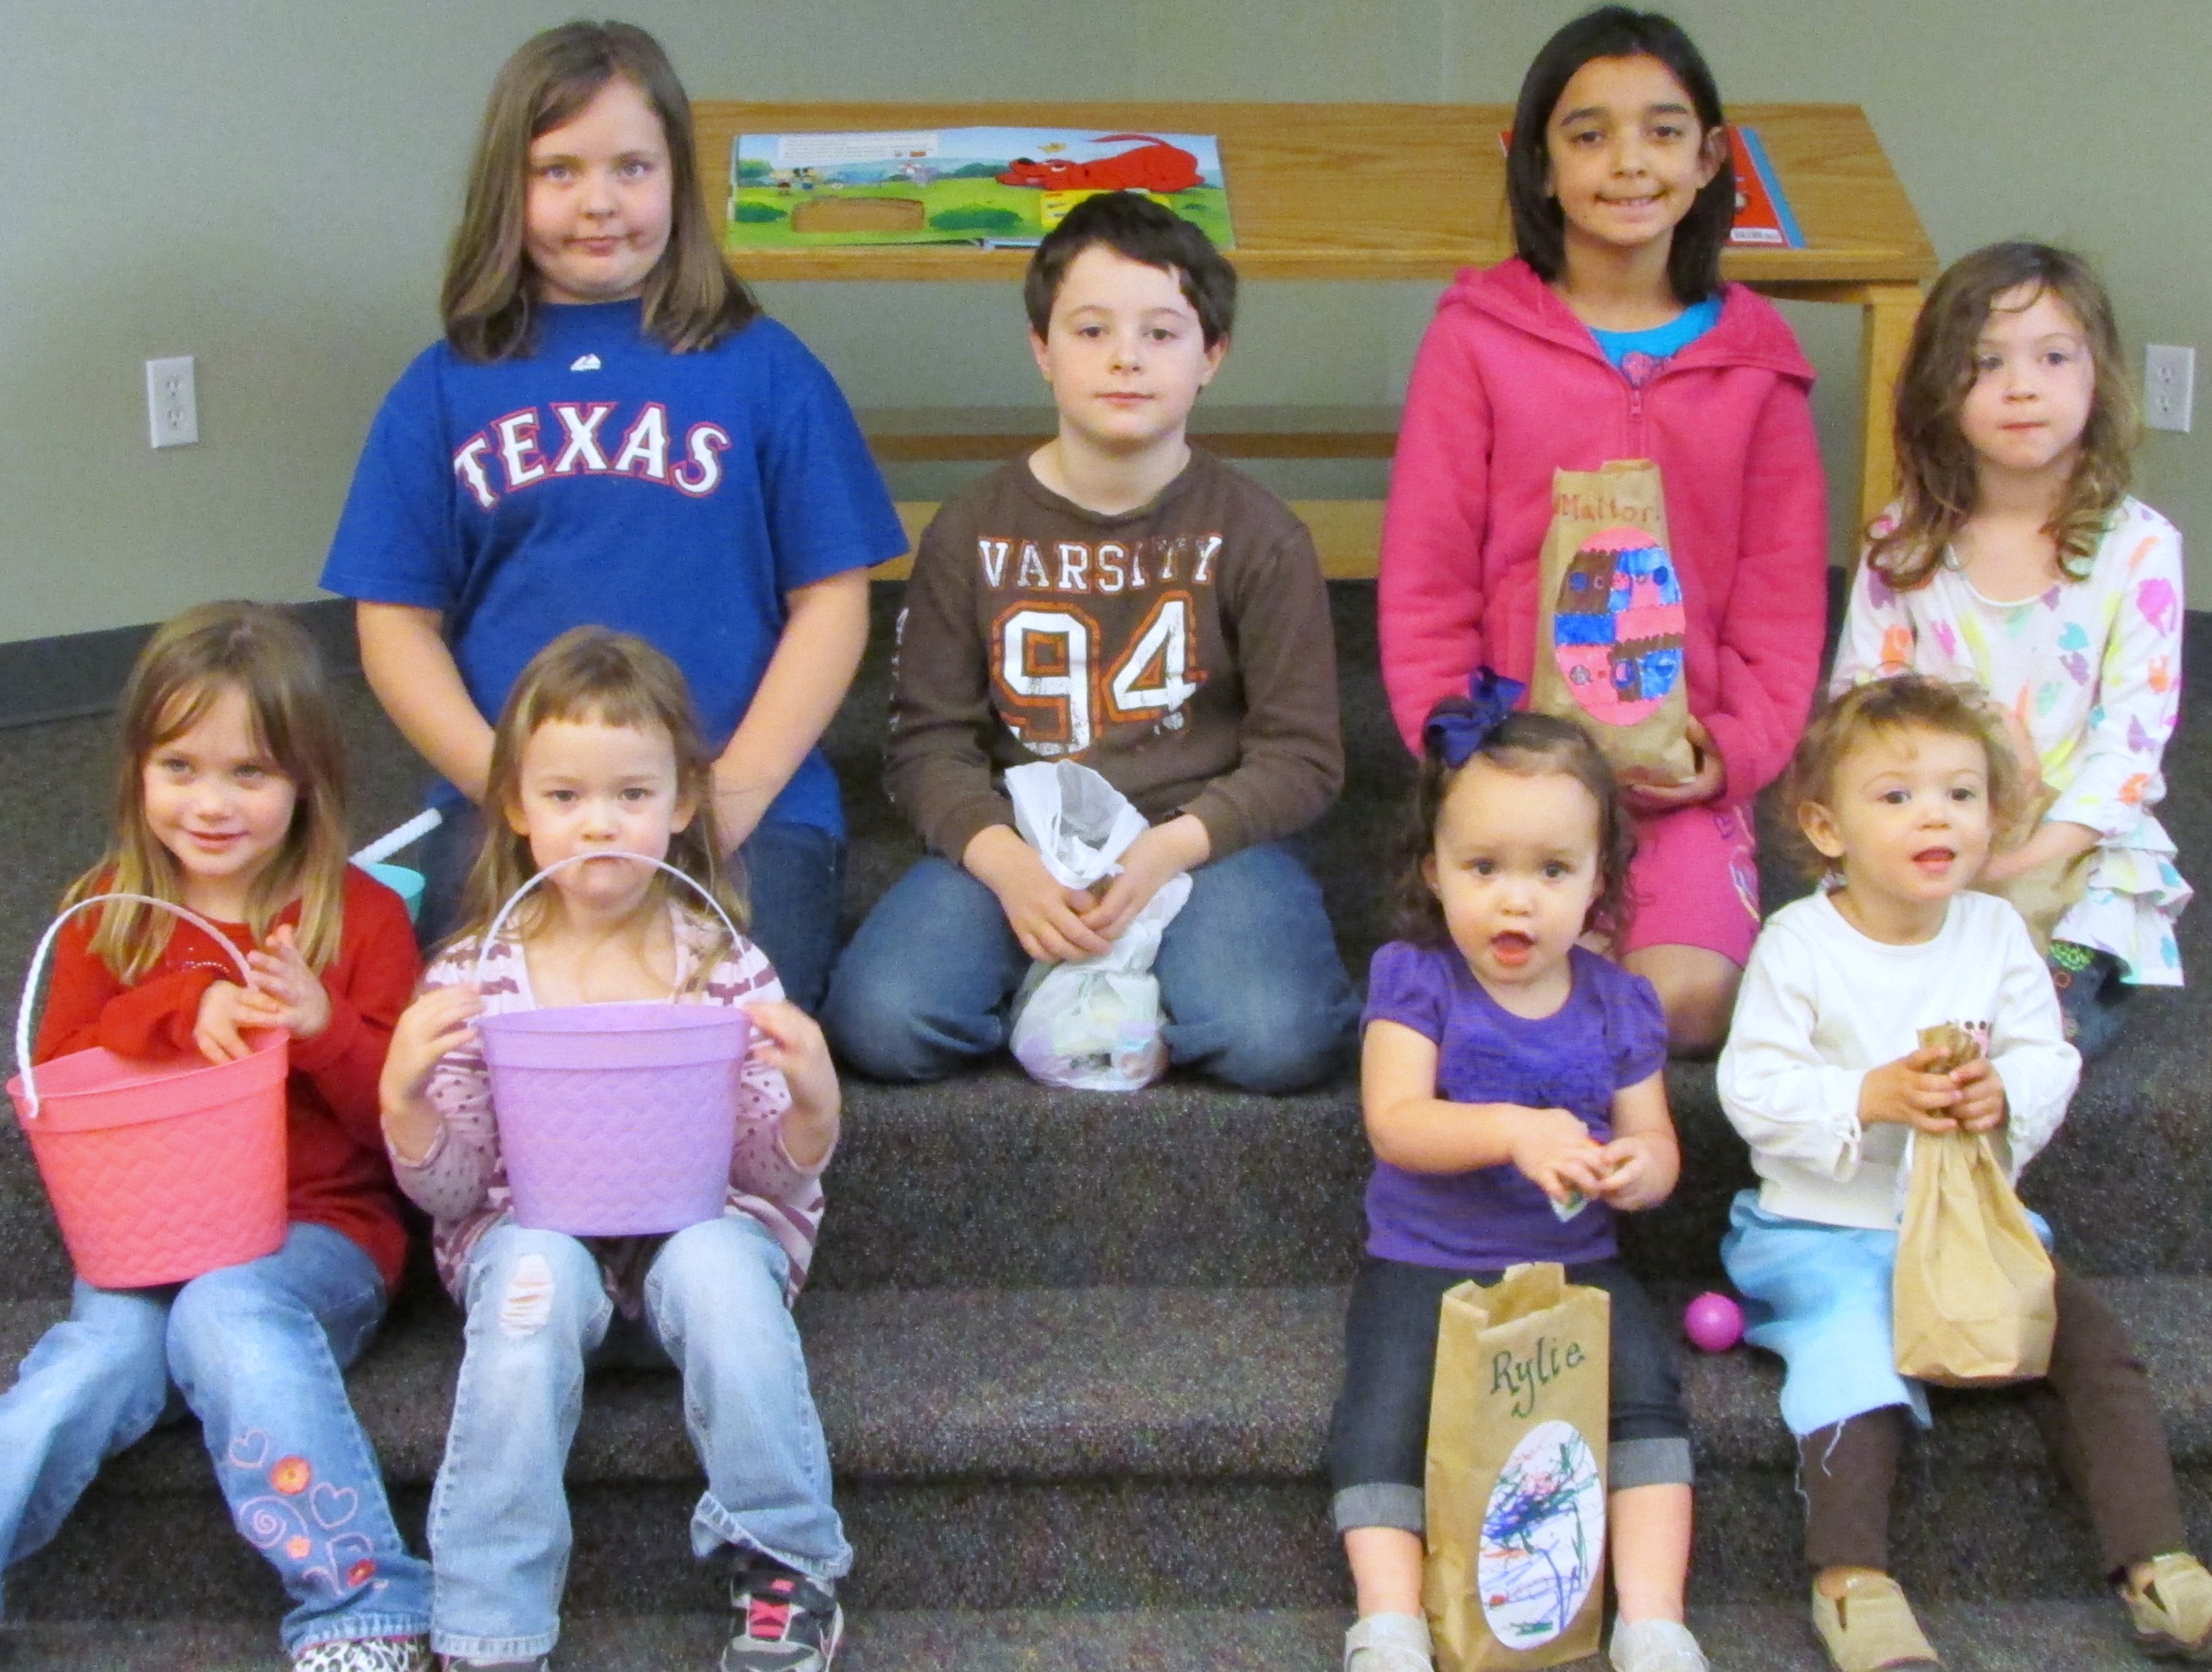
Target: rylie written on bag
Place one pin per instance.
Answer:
(1516, 1468)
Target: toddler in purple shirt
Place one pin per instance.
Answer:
(1513, 1086)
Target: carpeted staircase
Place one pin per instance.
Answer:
(1076, 1353)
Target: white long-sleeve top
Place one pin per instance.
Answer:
(461, 1180)
(1821, 1003)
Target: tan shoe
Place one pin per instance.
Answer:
(2172, 1614)
(1871, 1628)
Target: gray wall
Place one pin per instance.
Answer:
(268, 184)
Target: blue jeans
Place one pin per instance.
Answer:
(1249, 977)
(256, 1351)
(538, 1310)
(793, 875)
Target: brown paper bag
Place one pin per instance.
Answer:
(2049, 892)
(1974, 1293)
(1517, 1472)
(1609, 619)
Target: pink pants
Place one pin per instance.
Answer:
(1695, 882)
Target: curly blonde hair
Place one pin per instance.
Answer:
(1907, 702)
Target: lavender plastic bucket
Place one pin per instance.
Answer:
(615, 1120)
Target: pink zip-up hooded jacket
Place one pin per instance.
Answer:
(1510, 386)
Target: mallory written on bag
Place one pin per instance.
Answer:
(1517, 1472)
(1974, 1296)
(1610, 623)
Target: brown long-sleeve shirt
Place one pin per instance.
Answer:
(1183, 650)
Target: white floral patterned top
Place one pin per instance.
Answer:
(2092, 669)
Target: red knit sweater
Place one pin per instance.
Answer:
(339, 1173)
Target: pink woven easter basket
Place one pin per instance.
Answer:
(615, 1120)
(159, 1170)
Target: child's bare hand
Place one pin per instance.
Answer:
(1555, 1153)
(1045, 914)
(1164, 851)
(1639, 1174)
(790, 1041)
(285, 992)
(1908, 1092)
(1709, 778)
(224, 1014)
(1981, 1106)
(438, 1022)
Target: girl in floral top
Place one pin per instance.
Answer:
(2015, 558)
(597, 758)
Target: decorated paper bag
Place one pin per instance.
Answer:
(1517, 1472)
(1974, 1295)
(2049, 892)
(1609, 620)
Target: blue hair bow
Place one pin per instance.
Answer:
(1458, 726)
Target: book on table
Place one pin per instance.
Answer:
(990, 186)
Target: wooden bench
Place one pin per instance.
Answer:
(1372, 192)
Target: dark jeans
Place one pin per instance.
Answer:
(2096, 1414)
(793, 875)
(1378, 1437)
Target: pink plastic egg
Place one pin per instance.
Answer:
(1713, 1323)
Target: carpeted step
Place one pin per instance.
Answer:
(1113, 1447)
(2084, 1635)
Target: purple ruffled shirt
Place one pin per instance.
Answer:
(1609, 1034)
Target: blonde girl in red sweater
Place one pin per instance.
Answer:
(230, 802)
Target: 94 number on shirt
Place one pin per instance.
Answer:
(1055, 697)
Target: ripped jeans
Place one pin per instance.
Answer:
(538, 1312)
(256, 1351)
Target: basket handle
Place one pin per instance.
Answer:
(39, 964)
(498, 923)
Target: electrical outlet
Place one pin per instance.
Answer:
(172, 406)
(2169, 382)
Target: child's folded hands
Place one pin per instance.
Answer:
(1046, 914)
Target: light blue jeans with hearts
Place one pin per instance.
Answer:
(257, 1352)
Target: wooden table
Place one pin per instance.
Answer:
(1392, 191)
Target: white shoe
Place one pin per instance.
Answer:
(1390, 1643)
(1654, 1645)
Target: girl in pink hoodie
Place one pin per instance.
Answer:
(1612, 336)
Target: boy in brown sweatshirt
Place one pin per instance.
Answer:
(1118, 599)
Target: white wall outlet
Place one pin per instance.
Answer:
(2169, 382)
(172, 406)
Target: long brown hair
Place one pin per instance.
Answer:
(1938, 480)
(597, 676)
(692, 300)
(1885, 707)
(1525, 744)
(267, 656)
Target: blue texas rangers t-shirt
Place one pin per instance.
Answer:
(601, 479)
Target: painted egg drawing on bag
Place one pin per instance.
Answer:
(1617, 625)
(1543, 1537)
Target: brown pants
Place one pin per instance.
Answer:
(2096, 1414)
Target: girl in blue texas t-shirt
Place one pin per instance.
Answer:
(1511, 1081)
(612, 433)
